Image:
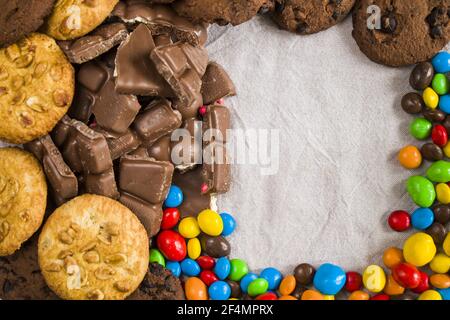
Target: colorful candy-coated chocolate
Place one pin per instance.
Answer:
(312, 295)
(287, 297)
(446, 244)
(439, 171)
(407, 275)
(440, 263)
(267, 296)
(422, 218)
(219, 290)
(431, 98)
(424, 283)
(238, 269)
(189, 228)
(246, 280)
(174, 197)
(222, 268)
(420, 128)
(392, 257)
(441, 62)
(374, 278)
(273, 277)
(206, 262)
(202, 111)
(194, 248)
(210, 222)
(440, 281)
(399, 220)
(419, 249)
(439, 135)
(444, 103)
(380, 297)
(208, 277)
(359, 295)
(174, 267)
(156, 256)
(328, 297)
(410, 157)
(195, 289)
(172, 245)
(329, 279)
(440, 84)
(229, 224)
(445, 294)
(392, 288)
(257, 287)
(190, 268)
(353, 282)
(430, 295)
(287, 285)
(421, 191)
(443, 193)
(171, 216)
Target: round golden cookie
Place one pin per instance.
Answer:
(23, 198)
(93, 247)
(72, 19)
(36, 88)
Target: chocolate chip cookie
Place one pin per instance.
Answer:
(398, 33)
(19, 18)
(310, 16)
(221, 12)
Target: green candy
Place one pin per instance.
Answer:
(421, 191)
(156, 256)
(238, 269)
(257, 287)
(420, 128)
(440, 84)
(439, 171)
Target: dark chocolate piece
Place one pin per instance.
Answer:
(216, 84)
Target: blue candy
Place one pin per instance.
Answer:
(190, 268)
(273, 277)
(444, 103)
(445, 293)
(329, 279)
(174, 197)
(441, 62)
(219, 290)
(246, 280)
(222, 268)
(229, 224)
(174, 267)
(422, 218)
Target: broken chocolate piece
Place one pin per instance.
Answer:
(216, 169)
(216, 84)
(161, 149)
(103, 184)
(186, 154)
(120, 144)
(216, 122)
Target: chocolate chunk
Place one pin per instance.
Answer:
(99, 41)
(215, 247)
(304, 274)
(216, 169)
(216, 122)
(136, 72)
(161, 149)
(413, 103)
(431, 152)
(156, 121)
(421, 76)
(120, 144)
(103, 184)
(216, 84)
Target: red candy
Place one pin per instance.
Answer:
(439, 135)
(171, 216)
(202, 111)
(424, 284)
(267, 296)
(205, 262)
(399, 220)
(220, 101)
(353, 282)
(380, 296)
(407, 275)
(208, 277)
(172, 245)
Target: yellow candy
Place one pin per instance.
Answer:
(446, 244)
(210, 222)
(189, 228)
(419, 249)
(440, 263)
(443, 193)
(431, 98)
(374, 278)
(430, 295)
(328, 297)
(194, 248)
(447, 150)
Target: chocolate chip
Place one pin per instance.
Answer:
(279, 6)
(388, 23)
(431, 152)
(304, 274)
(434, 115)
(421, 76)
(412, 103)
(302, 27)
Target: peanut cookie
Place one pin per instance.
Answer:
(310, 16)
(398, 33)
(23, 198)
(221, 12)
(19, 18)
(95, 248)
(72, 19)
(36, 88)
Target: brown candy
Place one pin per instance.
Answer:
(431, 152)
(442, 213)
(235, 289)
(412, 103)
(437, 232)
(216, 84)
(446, 123)
(304, 274)
(298, 292)
(434, 115)
(421, 76)
(215, 247)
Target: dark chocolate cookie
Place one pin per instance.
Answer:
(158, 284)
(221, 12)
(310, 16)
(19, 18)
(398, 32)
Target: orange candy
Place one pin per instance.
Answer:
(195, 289)
(392, 257)
(312, 295)
(287, 297)
(359, 295)
(287, 285)
(410, 157)
(392, 287)
(440, 281)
